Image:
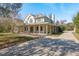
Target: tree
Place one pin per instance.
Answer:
(10, 9)
(5, 24)
(4, 10)
(15, 8)
(7, 12)
(76, 22)
(70, 26)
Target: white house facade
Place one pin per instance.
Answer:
(38, 24)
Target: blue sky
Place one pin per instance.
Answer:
(62, 11)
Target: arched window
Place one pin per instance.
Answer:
(30, 21)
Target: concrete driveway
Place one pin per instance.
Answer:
(68, 35)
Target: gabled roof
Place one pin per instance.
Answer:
(36, 16)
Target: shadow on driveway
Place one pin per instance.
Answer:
(43, 47)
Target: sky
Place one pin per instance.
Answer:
(62, 11)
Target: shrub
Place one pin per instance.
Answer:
(61, 28)
(58, 29)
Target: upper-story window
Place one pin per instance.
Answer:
(30, 21)
(40, 20)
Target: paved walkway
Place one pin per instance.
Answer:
(45, 47)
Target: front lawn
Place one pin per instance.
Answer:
(9, 39)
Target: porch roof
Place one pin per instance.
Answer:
(32, 24)
(45, 23)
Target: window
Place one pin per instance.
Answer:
(26, 28)
(40, 20)
(30, 20)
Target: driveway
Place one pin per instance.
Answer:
(45, 47)
(68, 35)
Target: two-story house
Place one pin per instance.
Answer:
(38, 24)
(33, 24)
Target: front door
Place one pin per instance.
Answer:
(31, 29)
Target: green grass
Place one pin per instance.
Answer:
(76, 35)
(3, 34)
(9, 39)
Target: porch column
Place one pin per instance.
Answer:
(50, 29)
(29, 29)
(39, 28)
(43, 28)
(46, 29)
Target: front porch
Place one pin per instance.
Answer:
(43, 28)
